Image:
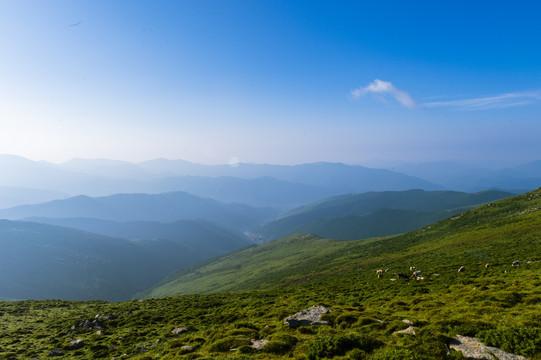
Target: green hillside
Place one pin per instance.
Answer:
(356, 216)
(476, 236)
(40, 261)
(500, 305)
(205, 238)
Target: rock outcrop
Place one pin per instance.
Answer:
(179, 330)
(472, 348)
(258, 344)
(410, 330)
(311, 316)
(76, 344)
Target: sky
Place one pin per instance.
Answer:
(282, 82)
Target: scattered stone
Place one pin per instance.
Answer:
(258, 344)
(141, 348)
(472, 348)
(410, 330)
(56, 352)
(186, 347)
(98, 332)
(76, 344)
(179, 330)
(91, 324)
(515, 263)
(311, 316)
(409, 322)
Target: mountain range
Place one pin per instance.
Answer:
(496, 233)
(281, 186)
(166, 207)
(357, 216)
(78, 241)
(478, 281)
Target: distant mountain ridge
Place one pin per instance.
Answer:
(166, 207)
(356, 216)
(281, 186)
(40, 261)
(242, 183)
(43, 261)
(202, 236)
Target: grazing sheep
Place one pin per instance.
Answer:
(462, 269)
(401, 276)
(417, 273)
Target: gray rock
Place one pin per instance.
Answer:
(91, 324)
(76, 344)
(472, 348)
(258, 344)
(410, 330)
(179, 330)
(311, 316)
(56, 352)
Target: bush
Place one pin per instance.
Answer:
(246, 349)
(227, 343)
(525, 341)
(366, 321)
(346, 319)
(280, 344)
(340, 344)
(357, 354)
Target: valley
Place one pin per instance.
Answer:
(175, 275)
(252, 291)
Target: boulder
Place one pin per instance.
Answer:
(410, 330)
(311, 316)
(258, 344)
(91, 324)
(179, 330)
(472, 348)
(56, 352)
(76, 344)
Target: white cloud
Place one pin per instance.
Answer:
(490, 102)
(384, 90)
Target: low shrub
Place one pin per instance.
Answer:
(525, 341)
(227, 343)
(340, 344)
(280, 344)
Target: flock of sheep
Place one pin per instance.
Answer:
(417, 274)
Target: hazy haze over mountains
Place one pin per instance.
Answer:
(280, 186)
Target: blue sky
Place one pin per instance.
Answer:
(271, 81)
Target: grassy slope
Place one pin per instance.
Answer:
(500, 305)
(485, 234)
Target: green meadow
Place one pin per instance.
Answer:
(226, 303)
